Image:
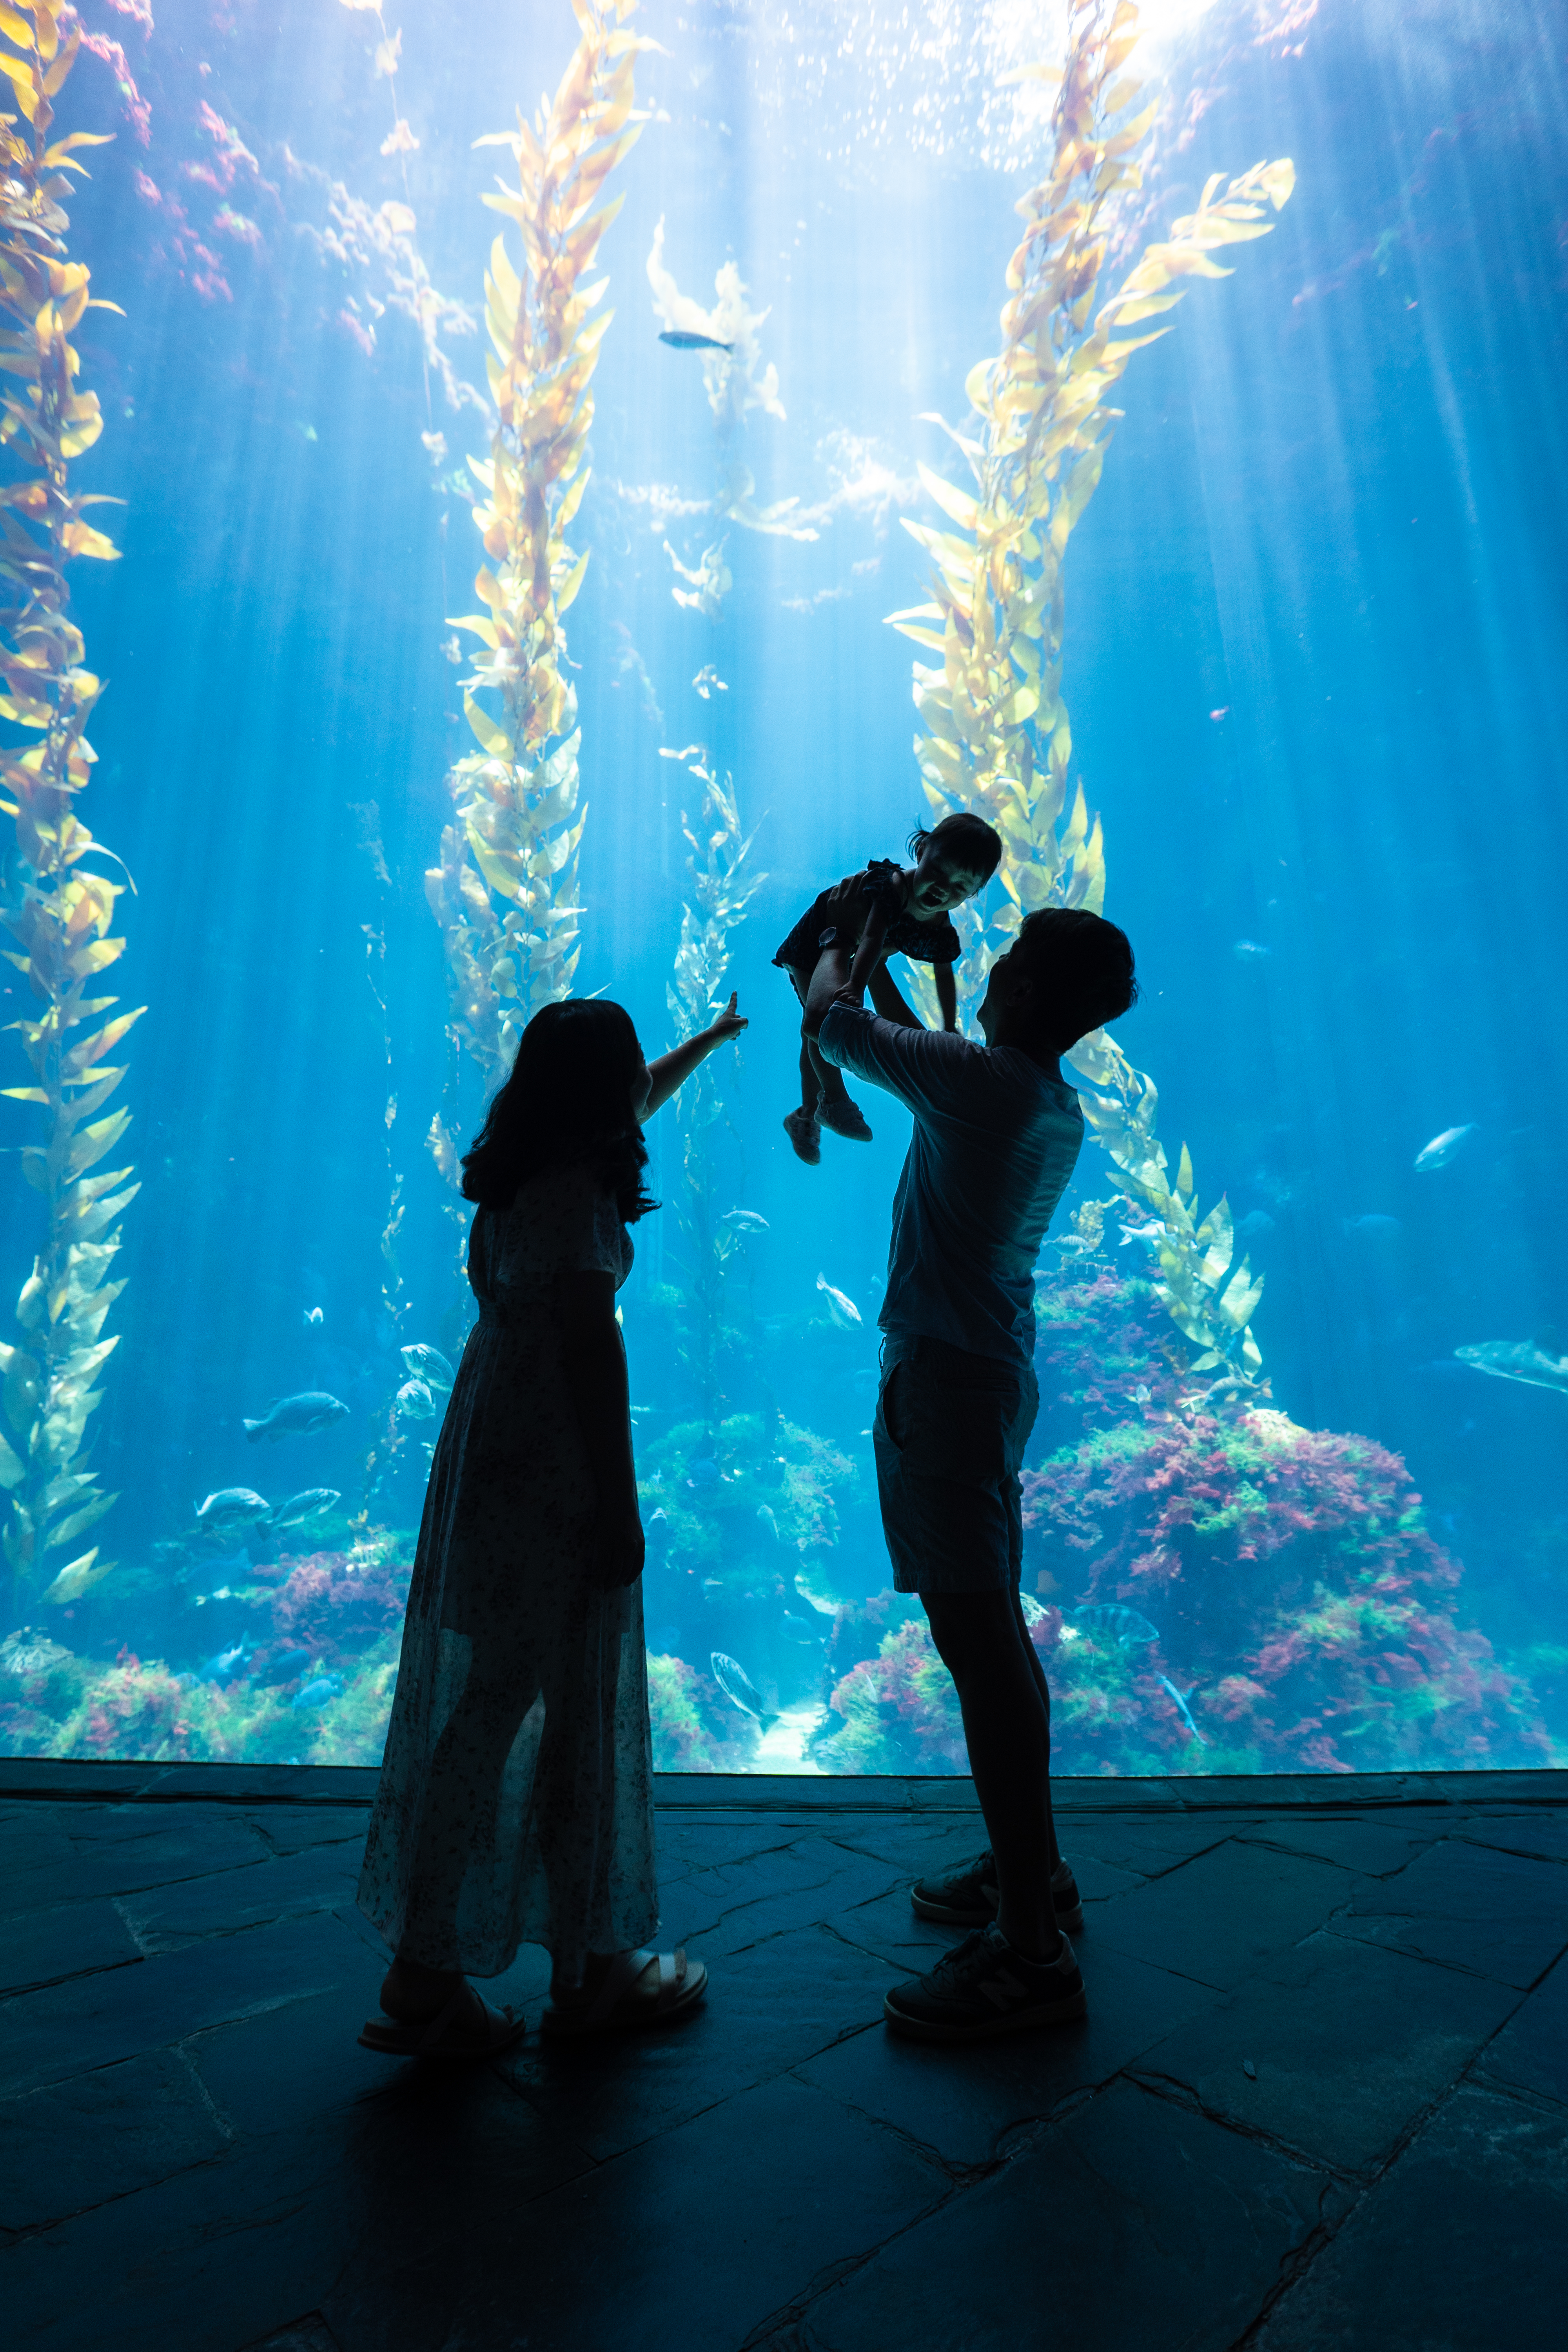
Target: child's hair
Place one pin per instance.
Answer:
(1083, 966)
(964, 837)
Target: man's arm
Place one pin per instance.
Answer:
(889, 1003)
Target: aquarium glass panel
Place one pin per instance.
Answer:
(514, 501)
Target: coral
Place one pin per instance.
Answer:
(693, 1728)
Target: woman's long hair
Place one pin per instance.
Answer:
(568, 1098)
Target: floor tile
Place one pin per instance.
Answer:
(1144, 1845)
(1532, 2048)
(1373, 1848)
(287, 1829)
(724, 1908)
(1468, 1906)
(41, 1948)
(107, 2134)
(1349, 2046)
(771, 2007)
(1459, 2248)
(98, 2020)
(964, 2104)
(1218, 1917)
(151, 1850)
(1134, 2224)
(1542, 1833)
(165, 1917)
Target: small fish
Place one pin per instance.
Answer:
(225, 1664)
(1254, 1225)
(317, 1694)
(1250, 950)
(704, 1472)
(680, 340)
(1074, 1245)
(738, 1688)
(1179, 1701)
(844, 1311)
(1109, 1621)
(284, 1667)
(745, 1221)
(1442, 1147)
(656, 1527)
(1151, 1235)
(305, 1506)
(766, 1520)
(306, 432)
(1517, 1360)
(233, 1507)
(415, 1402)
(1141, 1394)
(296, 1416)
(313, 1318)
(1223, 712)
(427, 1364)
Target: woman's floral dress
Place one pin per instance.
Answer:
(516, 1796)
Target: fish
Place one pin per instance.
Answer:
(427, 1364)
(304, 1506)
(29, 1651)
(225, 1664)
(313, 1318)
(296, 1416)
(1151, 1235)
(1517, 1360)
(1254, 1225)
(766, 1520)
(1179, 1701)
(284, 1667)
(844, 1311)
(1223, 712)
(680, 340)
(233, 1507)
(1250, 950)
(738, 1688)
(316, 1694)
(1109, 1621)
(1141, 1394)
(745, 1221)
(705, 1472)
(1442, 1147)
(415, 1402)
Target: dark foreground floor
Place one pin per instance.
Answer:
(1320, 2098)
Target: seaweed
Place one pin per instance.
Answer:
(56, 907)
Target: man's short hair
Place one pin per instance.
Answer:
(1082, 967)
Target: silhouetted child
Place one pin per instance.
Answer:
(955, 860)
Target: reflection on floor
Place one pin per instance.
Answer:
(1320, 2098)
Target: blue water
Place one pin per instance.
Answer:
(1312, 659)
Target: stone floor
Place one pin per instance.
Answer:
(1320, 2098)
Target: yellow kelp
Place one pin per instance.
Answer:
(56, 909)
(996, 735)
(724, 887)
(505, 891)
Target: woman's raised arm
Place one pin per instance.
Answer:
(671, 1069)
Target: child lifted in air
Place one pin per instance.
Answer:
(955, 860)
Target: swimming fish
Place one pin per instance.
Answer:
(296, 1416)
(317, 1694)
(1442, 1147)
(1249, 951)
(304, 1506)
(1141, 1394)
(233, 1507)
(1517, 1360)
(1109, 1621)
(745, 1221)
(415, 1402)
(738, 1688)
(705, 1472)
(313, 1318)
(844, 1311)
(1151, 1235)
(427, 1364)
(1223, 712)
(284, 1667)
(767, 1521)
(225, 1664)
(680, 340)
(1183, 1709)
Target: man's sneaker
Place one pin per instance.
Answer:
(805, 1135)
(984, 1989)
(968, 1896)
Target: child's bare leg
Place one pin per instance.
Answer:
(829, 1079)
(810, 1084)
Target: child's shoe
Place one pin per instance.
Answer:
(845, 1119)
(806, 1136)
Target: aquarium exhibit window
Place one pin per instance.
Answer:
(465, 547)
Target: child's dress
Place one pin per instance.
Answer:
(921, 943)
(516, 1796)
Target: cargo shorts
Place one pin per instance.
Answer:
(950, 1433)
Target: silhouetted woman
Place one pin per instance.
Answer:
(516, 1798)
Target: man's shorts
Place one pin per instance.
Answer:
(949, 1434)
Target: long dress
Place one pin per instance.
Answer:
(516, 1796)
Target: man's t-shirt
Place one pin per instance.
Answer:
(994, 1144)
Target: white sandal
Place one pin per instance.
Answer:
(443, 2036)
(614, 2009)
